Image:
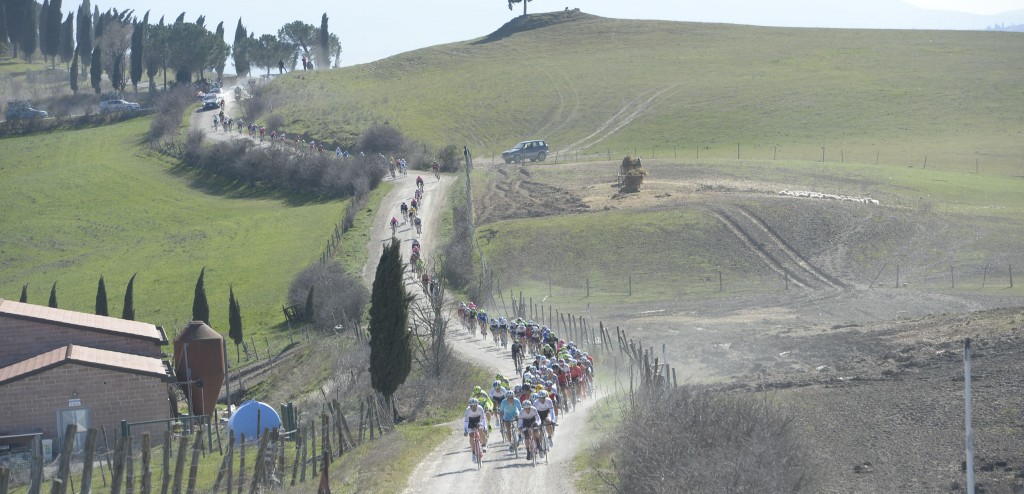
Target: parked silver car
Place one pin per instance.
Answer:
(117, 105)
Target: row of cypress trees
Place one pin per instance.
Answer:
(200, 304)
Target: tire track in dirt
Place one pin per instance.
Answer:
(790, 252)
(626, 115)
(772, 249)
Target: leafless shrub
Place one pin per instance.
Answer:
(170, 105)
(450, 157)
(381, 138)
(357, 204)
(275, 122)
(312, 175)
(458, 266)
(690, 439)
(338, 297)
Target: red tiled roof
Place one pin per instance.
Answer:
(83, 355)
(81, 320)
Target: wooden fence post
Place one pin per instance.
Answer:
(241, 464)
(129, 466)
(87, 460)
(60, 482)
(295, 464)
(179, 465)
(165, 480)
(5, 479)
(117, 478)
(197, 448)
(146, 485)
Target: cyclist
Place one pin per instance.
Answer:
(485, 401)
(548, 415)
(517, 353)
(497, 395)
(394, 226)
(529, 422)
(437, 170)
(509, 411)
(475, 418)
(405, 210)
(419, 182)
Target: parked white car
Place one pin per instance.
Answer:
(117, 105)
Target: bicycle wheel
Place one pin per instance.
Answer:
(515, 439)
(477, 450)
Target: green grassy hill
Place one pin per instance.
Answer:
(80, 204)
(664, 89)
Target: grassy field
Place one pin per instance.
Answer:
(665, 89)
(82, 204)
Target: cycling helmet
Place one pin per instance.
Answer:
(527, 376)
(495, 384)
(542, 394)
(534, 396)
(518, 389)
(477, 389)
(527, 404)
(498, 376)
(474, 401)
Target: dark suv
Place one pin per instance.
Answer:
(526, 150)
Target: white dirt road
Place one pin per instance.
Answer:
(448, 468)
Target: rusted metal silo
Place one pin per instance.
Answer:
(199, 365)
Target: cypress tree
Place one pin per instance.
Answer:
(44, 16)
(96, 69)
(325, 44)
(234, 320)
(73, 72)
(221, 58)
(200, 306)
(53, 295)
(138, 34)
(128, 313)
(24, 294)
(239, 50)
(53, 31)
(116, 74)
(83, 35)
(101, 299)
(67, 38)
(390, 345)
(30, 32)
(4, 35)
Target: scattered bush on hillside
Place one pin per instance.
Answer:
(458, 254)
(357, 204)
(690, 439)
(320, 175)
(382, 139)
(450, 158)
(339, 297)
(170, 106)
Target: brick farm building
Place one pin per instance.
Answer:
(59, 367)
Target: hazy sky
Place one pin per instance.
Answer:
(375, 29)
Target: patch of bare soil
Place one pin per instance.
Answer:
(872, 372)
(513, 194)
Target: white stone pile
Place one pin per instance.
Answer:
(821, 195)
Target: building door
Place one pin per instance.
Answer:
(79, 417)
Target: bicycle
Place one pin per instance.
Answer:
(514, 433)
(477, 448)
(531, 444)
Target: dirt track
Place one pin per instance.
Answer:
(448, 467)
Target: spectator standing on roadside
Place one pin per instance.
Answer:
(280, 66)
